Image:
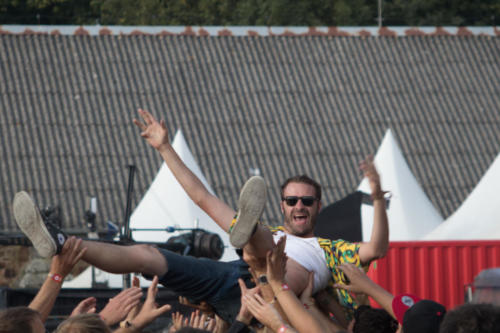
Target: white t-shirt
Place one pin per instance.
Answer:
(308, 253)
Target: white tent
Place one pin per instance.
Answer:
(411, 214)
(165, 204)
(479, 215)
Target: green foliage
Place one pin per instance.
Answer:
(251, 12)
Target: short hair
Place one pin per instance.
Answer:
(304, 179)
(17, 320)
(83, 323)
(371, 320)
(472, 318)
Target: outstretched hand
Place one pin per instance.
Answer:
(71, 253)
(85, 306)
(276, 263)
(155, 133)
(371, 173)
(245, 316)
(119, 306)
(150, 310)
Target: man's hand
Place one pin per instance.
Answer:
(119, 306)
(371, 173)
(155, 133)
(71, 253)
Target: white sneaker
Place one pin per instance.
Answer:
(46, 238)
(251, 204)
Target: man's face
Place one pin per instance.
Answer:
(300, 219)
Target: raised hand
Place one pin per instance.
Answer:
(150, 310)
(71, 253)
(85, 306)
(245, 316)
(276, 262)
(371, 173)
(119, 306)
(155, 133)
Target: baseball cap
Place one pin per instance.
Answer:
(423, 316)
(401, 303)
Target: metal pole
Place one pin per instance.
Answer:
(127, 278)
(379, 19)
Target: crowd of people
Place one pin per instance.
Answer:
(287, 280)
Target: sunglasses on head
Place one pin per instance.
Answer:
(306, 201)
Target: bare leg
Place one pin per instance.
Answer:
(119, 259)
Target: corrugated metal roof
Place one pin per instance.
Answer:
(285, 105)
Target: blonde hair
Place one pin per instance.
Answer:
(83, 323)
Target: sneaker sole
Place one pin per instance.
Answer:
(251, 204)
(30, 222)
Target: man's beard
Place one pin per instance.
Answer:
(300, 230)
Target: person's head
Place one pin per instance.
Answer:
(300, 214)
(472, 318)
(20, 320)
(371, 320)
(83, 323)
(424, 316)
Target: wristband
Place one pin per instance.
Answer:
(283, 328)
(284, 287)
(56, 277)
(379, 195)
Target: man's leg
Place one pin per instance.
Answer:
(48, 241)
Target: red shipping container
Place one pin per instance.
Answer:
(437, 270)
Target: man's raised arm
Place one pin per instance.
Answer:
(379, 240)
(156, 135)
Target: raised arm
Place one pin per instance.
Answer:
(301, 319)
(379, 240)
(361, 283)
(60, 267)
(156, 135)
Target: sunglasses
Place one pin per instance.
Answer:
(306, 201)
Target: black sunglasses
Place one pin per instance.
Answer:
(306, 201)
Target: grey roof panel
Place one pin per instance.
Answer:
(284, 105)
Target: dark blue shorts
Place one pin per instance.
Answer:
(202, 279)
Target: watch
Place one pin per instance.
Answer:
(263, 279)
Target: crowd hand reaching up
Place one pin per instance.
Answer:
(85, 306)
(150, 310)
(155, 133)
(135, 310)
(202, 321)
(276, 264)
(60, 266)
(119, 306)
(264, 312)
(245, 316)
(202, 306)
(359, 281)
(178, 322)
(306, 297)
(71, 253)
